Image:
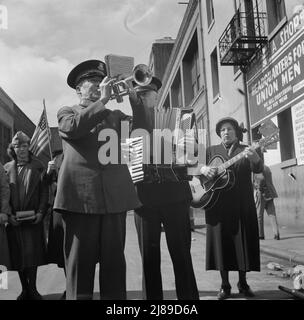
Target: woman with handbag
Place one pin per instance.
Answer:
(29, 201)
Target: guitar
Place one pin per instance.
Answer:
(206, 194)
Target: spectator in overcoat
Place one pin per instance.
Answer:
(4, 212)
(29, 202)
(265, 193)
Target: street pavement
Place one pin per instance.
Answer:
(51, 280)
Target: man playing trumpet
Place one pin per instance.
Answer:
(92, 198)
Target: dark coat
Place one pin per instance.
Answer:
(263, 181)
(27, 242)
(37, 193)
(232, 229)
(4, 249)
(55, 245)
(84, 184)
(4, 208)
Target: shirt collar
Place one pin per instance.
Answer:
(85, 102)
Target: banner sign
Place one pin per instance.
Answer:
(297, 112)
(275, 80)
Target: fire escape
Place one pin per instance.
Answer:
(243, 38)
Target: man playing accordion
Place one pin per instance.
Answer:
(166, 196)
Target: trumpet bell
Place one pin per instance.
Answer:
(142, 75)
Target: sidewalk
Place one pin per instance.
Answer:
(290, 247)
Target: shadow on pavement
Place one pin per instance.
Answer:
(266, 295)
(53, 296)
(134, 295)
(293, 237)
(171, 295)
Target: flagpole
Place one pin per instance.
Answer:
(48, 130)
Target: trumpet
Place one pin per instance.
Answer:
(141, 75)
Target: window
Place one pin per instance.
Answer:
(195, 74)
(167, 103)
(275, 12)
(191, 71)
(286, 135)
(284, 149)
(214, 72)
(210, 12)
(5, 138)
(176, 92)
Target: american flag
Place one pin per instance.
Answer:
(40, 139)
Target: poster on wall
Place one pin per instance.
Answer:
(266, 129)
(275, 80)
(297, 112)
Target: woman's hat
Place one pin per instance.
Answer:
(20, 137)
(239, 129)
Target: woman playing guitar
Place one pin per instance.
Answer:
(232, 242)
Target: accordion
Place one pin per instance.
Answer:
(177, 121)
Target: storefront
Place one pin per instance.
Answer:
(275, 88)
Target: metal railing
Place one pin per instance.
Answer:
(244, 35)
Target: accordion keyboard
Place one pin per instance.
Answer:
(134, 147)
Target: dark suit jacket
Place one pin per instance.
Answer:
(168, 190)
(84, 184)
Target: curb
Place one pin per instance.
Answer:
(290, 256)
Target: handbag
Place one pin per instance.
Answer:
(25, 215)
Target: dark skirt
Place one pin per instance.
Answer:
(55, 240)
(236, 250)
(4, 250)
(27, 245)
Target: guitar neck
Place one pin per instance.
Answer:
(231, 161)
(272, 138)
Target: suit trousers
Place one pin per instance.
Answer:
(176, 222)
(261, 206)
(89, 239)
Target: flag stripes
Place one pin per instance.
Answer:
(40, 138)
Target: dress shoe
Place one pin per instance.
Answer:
(34, 295)
(224, 293)
(245, 290)
(277, 237)
(23, 295)
(262, 238)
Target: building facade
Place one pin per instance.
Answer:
(184, 79)
(6, 124)
(12, 119)
(244, 59)
(160, 55)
